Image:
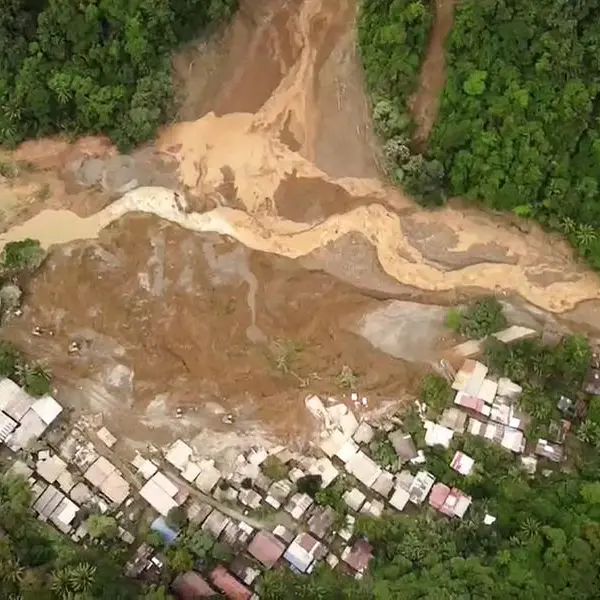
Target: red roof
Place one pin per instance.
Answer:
(359, 556)
(229, 585)
(266, 548)
(439, 493)
(191, 586)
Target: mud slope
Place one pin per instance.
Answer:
(200, 322)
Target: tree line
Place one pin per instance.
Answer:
(98, 66)
(518, 127)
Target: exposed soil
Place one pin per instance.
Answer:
(270, 225)
(426, 100)
(202, 321)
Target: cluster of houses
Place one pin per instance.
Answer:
(74, 477)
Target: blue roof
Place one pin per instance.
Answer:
(166, 533)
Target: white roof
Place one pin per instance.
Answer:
(14, 400)
(462, 463)
(489, 519)
(437, 435)
(332, 443)
(157, 498)
(147, 468)
(65, 512)
(513, 333)
(487, 391)
(348, 423)
(163, 482)
(106, 437)
(179, 454)
(364, 469)
(354, 498)
(191, 471)
(31, 429)
(513, 440)
(47, 409)
(399, 498)
(324, 467)
(461, 506)
(347, 451)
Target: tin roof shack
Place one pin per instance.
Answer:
(455, 419)
(450, 502)
(298, 505)
(321, 521)
(192, 586)
(420, 487)
(278, 493)
(462, 463)
(364, 434)
(399, 498)
(383, 484)
(236, 534)
(550, 451)
(358, 556)
(373, 508)
(215, 523)
(198, 511)
(209, 476)
(229, 585)
(403, 445)
(179, 454)
(266, 548)
(7, 426)
(50, 467)
(470, 377)
(303, 552)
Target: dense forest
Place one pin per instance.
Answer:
(519, 122)
(97, 66)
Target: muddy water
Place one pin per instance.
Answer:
(286, 156)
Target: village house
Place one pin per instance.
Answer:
(233, 589)
(451, 502)
(462, 463)
(266, 548)
(358, 556)
(192, 586)
(303, 552)
(403, 445)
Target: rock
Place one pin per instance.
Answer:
(406, 330)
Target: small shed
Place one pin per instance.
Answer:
(358, 556)
(354, 499)
(215, 523)
(303, 552)
(462, 463)
(321, 521)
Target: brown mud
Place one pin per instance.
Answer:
(258, 219)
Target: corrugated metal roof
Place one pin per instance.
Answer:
(30, 429)
(7, 426)
(14, 401)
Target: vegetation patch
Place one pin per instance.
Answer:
(93, 67)
(480, 319)
(392, 36)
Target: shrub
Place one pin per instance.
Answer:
(436, 393)
(480, 319)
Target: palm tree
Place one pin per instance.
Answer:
(568, 226)
(61, 583)
(530, 528)
(81, 577)
(585, 235)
